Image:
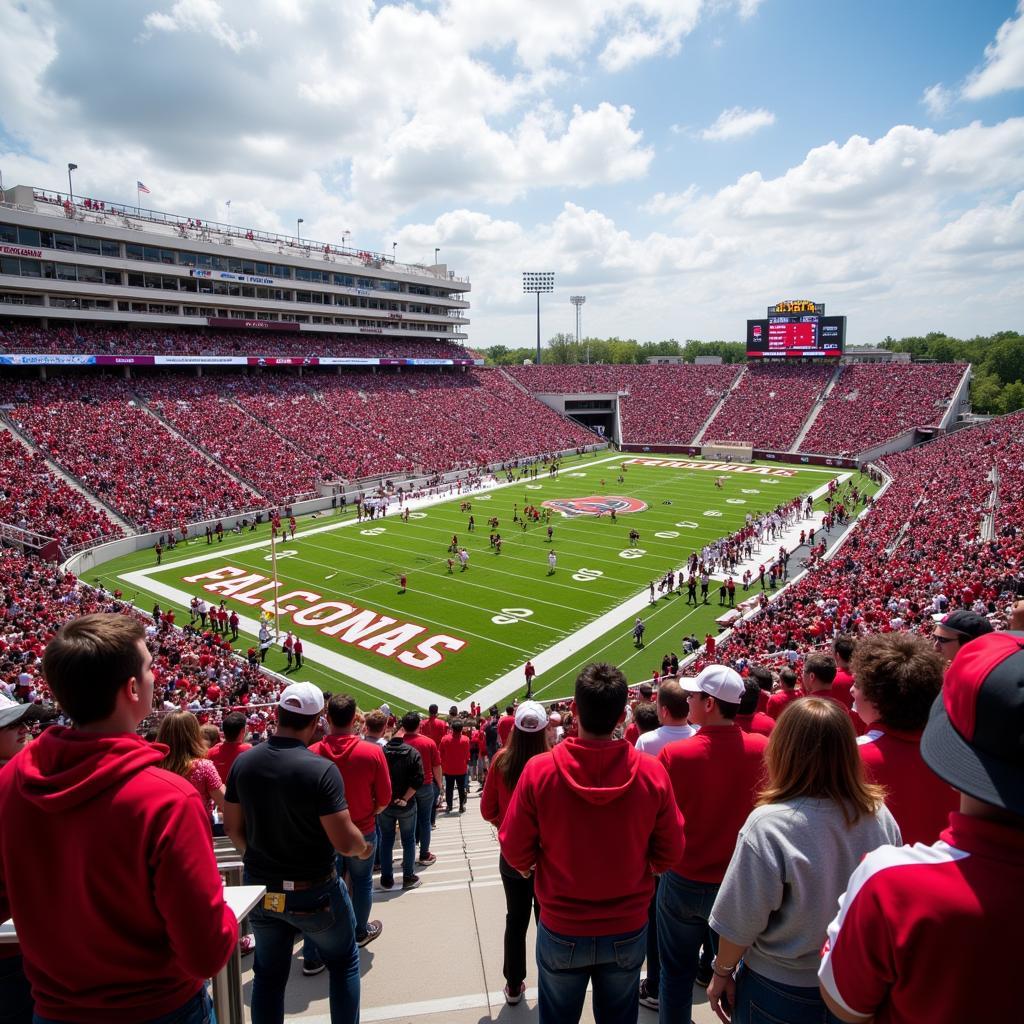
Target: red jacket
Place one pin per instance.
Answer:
(223, 756)
(454, 754)
(364, 770)
(757, 722)
(715, 776)
(597, 819)
(505, 726)
(496, 796)
(106, 866)
(778, 702)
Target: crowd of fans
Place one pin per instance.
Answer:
(100, 339)
(873, 402)
(34, 498)
(769, 405)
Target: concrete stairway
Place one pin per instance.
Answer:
(816, 410)
(699, 436)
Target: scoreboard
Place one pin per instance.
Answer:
(796, 330)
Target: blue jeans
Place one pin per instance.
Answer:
(15, 992)
(198, 1010)
(405, 818)
(424, 806)
(611, 963)
(324, 915)
(684, 907)
(762, 1001)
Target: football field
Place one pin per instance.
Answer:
(454, 634)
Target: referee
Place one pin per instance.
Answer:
(286, 812)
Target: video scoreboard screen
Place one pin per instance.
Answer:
(803, 333)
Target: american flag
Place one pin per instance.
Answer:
(140, 186)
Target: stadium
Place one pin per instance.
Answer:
(369, 653)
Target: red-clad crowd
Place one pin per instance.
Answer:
(873, 402)
(769, 405)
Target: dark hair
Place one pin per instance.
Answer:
(901, 674)
(601, 692)
(762, 676)
(510, 709)
(520, 746)
(646, 716)
(844, 645)
(455, 725)
(233, 726)
(410, 721)
(432, 710)
(341, 710)
(293, 720)
(751, 695)
(822, 667)
(672, 697)
(89, 660)
(788, 678)
(376, 720)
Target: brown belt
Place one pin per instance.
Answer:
(299, 886)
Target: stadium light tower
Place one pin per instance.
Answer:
(298, 228)
(71, 191)
(577, 301)
(537, 282)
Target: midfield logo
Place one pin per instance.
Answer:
(596, 505)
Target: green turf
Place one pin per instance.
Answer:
(360, 565)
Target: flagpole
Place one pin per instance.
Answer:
(138, 199)
(277, 585)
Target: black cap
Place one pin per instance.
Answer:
(968, 624)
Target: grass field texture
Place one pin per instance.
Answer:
(451, 633)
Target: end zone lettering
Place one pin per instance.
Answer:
(715, 467)
(345, 622)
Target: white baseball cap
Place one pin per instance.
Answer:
(718, 681)
(531, 716)
(302, 698)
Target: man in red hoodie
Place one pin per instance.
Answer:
(364, 770)
(131, 926)
(592, 793)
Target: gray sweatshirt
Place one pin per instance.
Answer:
(791, 864)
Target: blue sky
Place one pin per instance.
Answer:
(683, 163)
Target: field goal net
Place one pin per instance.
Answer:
(728, 451)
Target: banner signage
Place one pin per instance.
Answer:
(231, 323)
(224, 275)
(18, 250)
(75, 359)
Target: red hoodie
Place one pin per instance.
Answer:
(364, 770)
(106, 866)
(598, 819)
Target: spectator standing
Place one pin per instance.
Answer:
(957, 628)
(286, 812)
(186, 756)
(673, 714)
(224, 754)
(592, 793)
(749, 719)
(454, 751)
(952, 903)
(405, 767)
(529, 672)
(139, 937)
(787, 693)
(815, 820)
(818, 681)
(364, 771)
(427, 792)
(897, 678)
(526, 740)
(715, 776)
(843, 647)
(506, 723)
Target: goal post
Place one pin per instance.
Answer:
(727, 451)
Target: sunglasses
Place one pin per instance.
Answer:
(936, 639)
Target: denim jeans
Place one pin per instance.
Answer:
(653, 959)
(610, 963)
(198, 1010)
(360, 876)
(424, 806)
(405, 818)
(324, 915)
(15, 992)
(519, 903)
(762, 1001)
(450, 782)
(684, 907)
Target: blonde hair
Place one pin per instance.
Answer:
(180, 732)
(812, 752)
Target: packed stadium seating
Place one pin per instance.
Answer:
(117, 340)
(872, 403)
(769, 405)
(664, 404)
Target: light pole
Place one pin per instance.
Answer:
(71, 191)
(437, 249)
(344, 237)
(577, 301)
(394, 247)
(537, 282)
(298, 228)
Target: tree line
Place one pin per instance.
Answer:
(998, 359)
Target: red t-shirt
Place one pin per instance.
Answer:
(757, 722)
(364, 770)
(841, 687)
(433, 728)
(918, 799)
(715, 776)
(496, 796)
(454, 754)
(947, 906)
(428, 752)
(778, 702)
(505, 726)
(223, 756)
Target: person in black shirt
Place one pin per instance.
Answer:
(285, 811)
(406, 769)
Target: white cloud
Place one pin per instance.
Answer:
(748, 8)
(1004, 61)
(201, 16)
(736, 122)
(937, 99)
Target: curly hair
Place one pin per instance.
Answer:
(901, 674)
